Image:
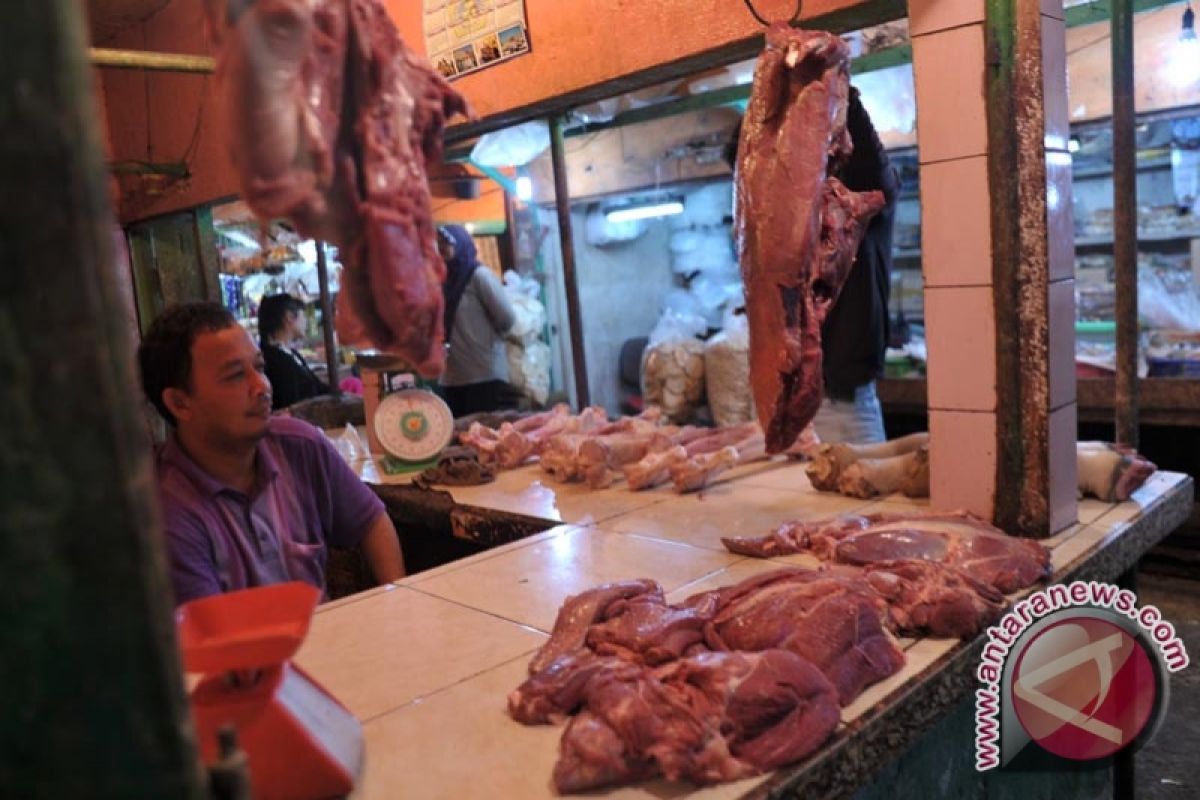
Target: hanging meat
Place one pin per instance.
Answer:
(798, 228)
(332, 121)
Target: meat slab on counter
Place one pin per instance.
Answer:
(738, 680)
(958, 540)
(797, 228)
(332, 123)
(650, 697)
(940, 573)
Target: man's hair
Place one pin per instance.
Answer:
(271, 313)
(165, 355)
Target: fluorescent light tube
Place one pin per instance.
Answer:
(665, 208)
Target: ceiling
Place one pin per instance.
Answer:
(107, 18)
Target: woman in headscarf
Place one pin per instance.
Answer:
(477, 316)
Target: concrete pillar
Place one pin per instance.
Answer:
(998, 258)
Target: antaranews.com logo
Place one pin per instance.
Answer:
(1077, 672)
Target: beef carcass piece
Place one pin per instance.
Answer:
(797, 228)
(956, 539)
(695, 473)
(646, 629)
(928, 597)
(516, 447)
(1110, 472)
(708, 718)
(553, 693)
(871, 477)
(833, 620)
(830, 460)
(333, 121)
(577, 614)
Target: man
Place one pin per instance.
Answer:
(855, 333)
(248, 499)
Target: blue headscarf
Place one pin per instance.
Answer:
(459, 270)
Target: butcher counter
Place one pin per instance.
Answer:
(426, 664)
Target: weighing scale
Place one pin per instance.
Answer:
(410, 424)
(300, 742)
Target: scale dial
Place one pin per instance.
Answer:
(414, 424)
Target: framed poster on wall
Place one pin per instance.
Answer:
(462, 36)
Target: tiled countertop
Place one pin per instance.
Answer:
(426, 664)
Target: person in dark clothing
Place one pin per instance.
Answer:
(280, 325)
(855, 333)
(477, 316)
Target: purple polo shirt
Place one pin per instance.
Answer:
(219, 539)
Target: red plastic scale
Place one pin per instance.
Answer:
(299, 740)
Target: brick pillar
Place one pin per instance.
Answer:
(998, 258)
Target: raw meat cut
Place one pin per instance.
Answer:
(333, 121)
(577, 614)
(707, 718)
(833, 620)
(797, 228)
(871, 477)
(646, 629)
(1110, 472)
(956, 539)
(695, 473)
(928, 597)
(556, 691)
(684, 462)
(831, 459)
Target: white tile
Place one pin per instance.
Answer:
(930, 16)
(951, 113)
(737, 509)
(398, 645)
(529, 585)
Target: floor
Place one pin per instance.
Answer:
(1168, 767)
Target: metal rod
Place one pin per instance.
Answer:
(1125, 222)
(562, 203)
(331, 358)
(157, 62)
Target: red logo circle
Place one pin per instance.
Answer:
(1084, 688)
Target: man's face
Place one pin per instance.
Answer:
(229, 400)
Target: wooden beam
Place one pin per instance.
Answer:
(562, 203)
(93, 698)
(1124, 152)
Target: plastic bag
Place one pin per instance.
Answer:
(528, 356)
(529, 369)
(673, 366)
(350, 445)
(512, 147)
(1160, 307)
(727, 373)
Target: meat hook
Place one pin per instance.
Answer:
(795, 17)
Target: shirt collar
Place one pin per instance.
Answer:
(265, 464)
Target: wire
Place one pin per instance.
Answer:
(762, 21)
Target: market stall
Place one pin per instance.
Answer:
(425, 663)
